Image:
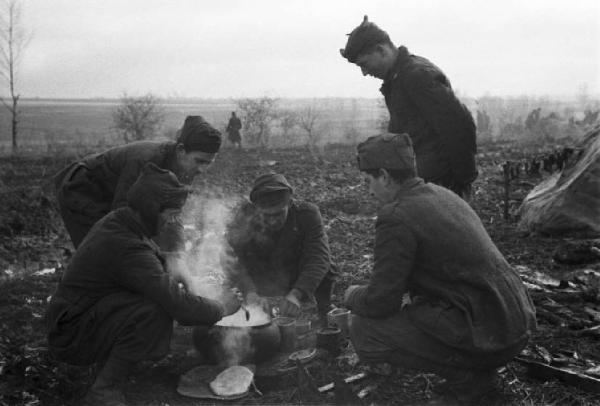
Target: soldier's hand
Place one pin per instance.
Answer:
(177, 267)
(237, 293)
(231, 302)
(252, 298)
(290, 305)
(348, 293)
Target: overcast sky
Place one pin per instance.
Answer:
(290, 48)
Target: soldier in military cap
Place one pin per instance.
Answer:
(116, 302)
(441, 297)
(421, 102)
(281, 248)
(90, 188)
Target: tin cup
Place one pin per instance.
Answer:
(287, 328)
(302, 327)
(340, 318)
(328, 338)
(305, 336)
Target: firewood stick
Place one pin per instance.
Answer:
(349, 379)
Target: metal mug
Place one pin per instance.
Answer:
(340, 318)
(287, 328)
(329, 339)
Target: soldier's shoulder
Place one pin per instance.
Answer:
(138, 151)
(421, 69)
(304, 206)
(387, 210)
(394, 211)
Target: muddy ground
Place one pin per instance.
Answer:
(32, 239)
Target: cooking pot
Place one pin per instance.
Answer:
(236, 341)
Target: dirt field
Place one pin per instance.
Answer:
(32, 239)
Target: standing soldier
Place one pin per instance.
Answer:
(89, 189)
(233, 130)
(421, 102)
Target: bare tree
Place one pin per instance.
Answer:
(288, 119)
(138, 118)
(258, 116)
(307, 120)
(13, 41)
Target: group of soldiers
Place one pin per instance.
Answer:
(441, 297)
(549, 162)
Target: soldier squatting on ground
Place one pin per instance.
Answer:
(281, 244)
(468, 313)
(116, 302)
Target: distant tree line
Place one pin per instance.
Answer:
(523, 118)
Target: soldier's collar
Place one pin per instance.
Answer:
(401, 59)
(408, 185)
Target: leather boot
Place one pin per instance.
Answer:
(105, 390)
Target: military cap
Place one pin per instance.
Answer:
(271, 190)
(366, 35)
(197, 135)
(387, 151)
(156, 189)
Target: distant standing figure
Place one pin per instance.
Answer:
(421, 102)
(532, 119)
(233, 130)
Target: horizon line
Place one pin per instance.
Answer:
(591, 97)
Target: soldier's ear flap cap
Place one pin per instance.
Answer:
(362, 39)
(388, 151)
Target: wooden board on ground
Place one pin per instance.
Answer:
(568, 376)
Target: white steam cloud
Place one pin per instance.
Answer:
(205, 220)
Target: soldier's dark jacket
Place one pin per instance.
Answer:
(113, 172)
(429, 242)
(116, 268)
(90, 188)
(297, 256)
(421, 102)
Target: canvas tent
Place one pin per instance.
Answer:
(568, 202)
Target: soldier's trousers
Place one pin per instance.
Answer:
(398, 341)
(123, 325)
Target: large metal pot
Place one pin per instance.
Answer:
(235, 341)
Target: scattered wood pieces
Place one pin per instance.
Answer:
(544, 353)
(569, 376)
(349, 379)
(365, 391)
(595, 314)
(586, 332)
